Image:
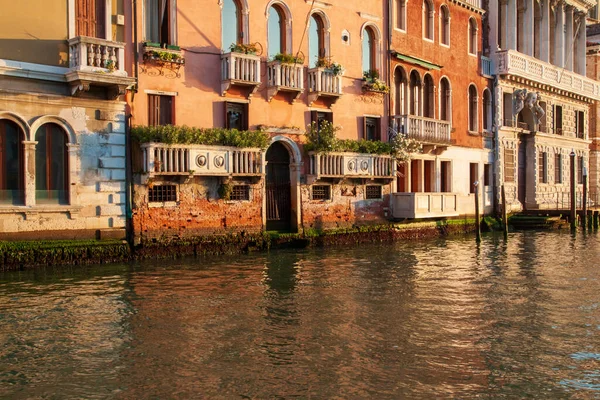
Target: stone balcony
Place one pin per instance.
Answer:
(512, 62)
(284, 77)
(322, 82)
(97, 62)
(159, 159)
(428, 131)
(240, 70)
(351, 165)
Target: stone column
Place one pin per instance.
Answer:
(569, 43)
(559, 33)
(527, 34)
(545, 31)
(511, 25)
(29, 161)
(502, 23)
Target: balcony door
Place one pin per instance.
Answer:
(90, 18)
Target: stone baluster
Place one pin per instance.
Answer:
(91, 53)
(98, 56)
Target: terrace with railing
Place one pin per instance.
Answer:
(159, 159)
(283, 77)
(425, 130)
(240, 69)
(351, 165)
(323, 82)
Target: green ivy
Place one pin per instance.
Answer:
(288, 58)
(171, 134)
(322, 139)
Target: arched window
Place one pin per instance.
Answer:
(487, 110)
(316, 39)
(415, 93)
(368, 50)
(276, 31)
(231, 24)
(51, 165)
(445, 26)
(473, 122)
(445, 100)
(401, 14)
(428, 97)
(428, 19)
(472, 36)
(400, 85)
(11, 163)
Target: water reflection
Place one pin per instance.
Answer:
(433, 319)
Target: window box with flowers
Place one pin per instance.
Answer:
(372, 83)
(162, 61)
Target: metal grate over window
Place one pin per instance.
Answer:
(321, 192)
(162, 193)
(240, 192)
(373, 192)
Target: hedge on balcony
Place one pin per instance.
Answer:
(171, 134)
(323, 139)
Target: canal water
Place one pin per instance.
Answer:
(413, 320)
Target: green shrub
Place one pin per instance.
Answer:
(171, 134)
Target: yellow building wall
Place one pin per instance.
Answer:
(34, 31)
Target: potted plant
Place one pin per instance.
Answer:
(285, 58)
(251, 48)
(330, 66)
(372, 83)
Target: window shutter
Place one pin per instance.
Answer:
(153, 110)
(245, 117)
(329, 117)
(90, 18)
(166, 110)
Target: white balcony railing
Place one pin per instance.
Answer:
(514, 63)
(473, 3)
(97, 55)
(200, 160)
(239, 67)
(324, 81)
(430, 205)
(427, 130)
(339, 165)
(288, 76)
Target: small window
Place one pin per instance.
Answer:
(321, 192)
(473, 121)
(236, 116)
(90, 18)
(372, 128)
(160, 110)
(51, 165)
(487, 174)
(579, 170)
(373, 192)
(11, 163)
(580, 115)
(319, 116)
(542, 167)
(160, 21)
(444, 26)
(162, 193)
(472, 36)
(401, 14)
(428, 19)
(558, 168)
(509, 165)
(558, 120)
(240, 192)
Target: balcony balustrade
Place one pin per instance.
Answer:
(511, 62)
(240, 69)
(425, 130)
(98, 62)
(161, 159)
(351, 165)
(322, 82)
(283, 77)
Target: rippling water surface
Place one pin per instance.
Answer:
(412, 320)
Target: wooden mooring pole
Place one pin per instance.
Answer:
(596, 219)
(477, 220)
(584, 200)
(504, 213)
(573, 214)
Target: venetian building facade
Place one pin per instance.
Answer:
(217, 64)
(441, 96)
(542, 98)
(62, 123)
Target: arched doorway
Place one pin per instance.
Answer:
(278, 188)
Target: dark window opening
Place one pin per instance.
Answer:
(240, 192)
(487, 174)
(558, 120)
(162, 193)
(542, 167)
(579, 170)
(372, 128)
(159, 21)
(321, 192)
(11, 163)
(51, 165)
(236, 116)
(509, 165)
(373, 192)
(558, 168)
(161, 110)
(580, 124)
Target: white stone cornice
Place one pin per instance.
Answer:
(32, 71)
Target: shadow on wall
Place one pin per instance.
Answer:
(47, 52)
